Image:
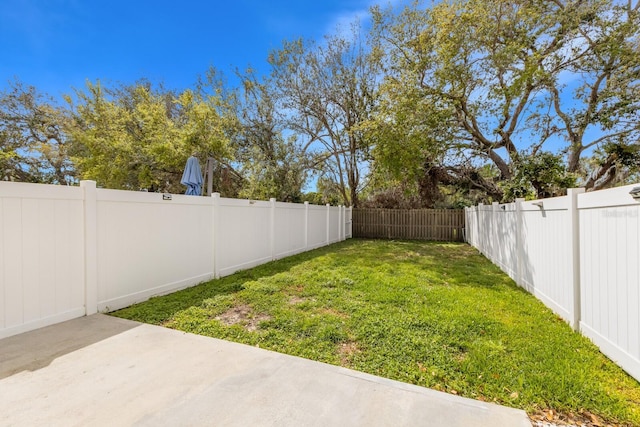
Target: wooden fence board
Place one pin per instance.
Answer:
(410, 224)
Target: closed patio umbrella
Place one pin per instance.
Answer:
(192, 177)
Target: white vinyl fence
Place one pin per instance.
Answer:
(579, 254)
(70, 251)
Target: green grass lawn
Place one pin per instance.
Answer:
(438, 315)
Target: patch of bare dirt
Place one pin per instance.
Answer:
(460, 357)
(242, 315)
(346, 352)
(298, 288)
(296, 300)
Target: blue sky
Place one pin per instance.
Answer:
(56, 45)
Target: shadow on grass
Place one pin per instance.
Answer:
(160, 309)
(464, 267)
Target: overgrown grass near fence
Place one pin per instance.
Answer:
(437, 315)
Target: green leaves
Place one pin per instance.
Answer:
(539, 176)
(139, 137)
(33, 143)
(273, 166)
(328, 91)
(438, 100)
(480, 82)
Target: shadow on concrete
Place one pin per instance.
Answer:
(35, 350)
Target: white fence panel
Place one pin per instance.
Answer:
(41, 256)
(317, 227)
(610, 274)
(504, 227)
(580, 255)
(334, 224)
(471, 226)
(243, 238)
(529, 244)
(484, 222)
(150, 246)
(290, 229)
(70, 251)
(546, 254)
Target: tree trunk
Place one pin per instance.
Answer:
(603, 176)
(503, 167)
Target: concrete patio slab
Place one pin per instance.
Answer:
(101, 370)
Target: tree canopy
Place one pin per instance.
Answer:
(33, 142)
(329, 91)
(497, 81)
(437, 104)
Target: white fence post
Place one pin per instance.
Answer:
(216, 227)
(306, 225)
(574, 238)
(519, 241)
(272, 233)
(340, 220)
(479, 238)
(495, 220)
(89, 194)
(465, 229)
(328, 222)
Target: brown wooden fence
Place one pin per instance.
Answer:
(420, 224)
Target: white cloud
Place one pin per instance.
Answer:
(342, 22)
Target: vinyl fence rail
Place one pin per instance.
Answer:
(70, 251)
(418, 224)
(579, 254)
